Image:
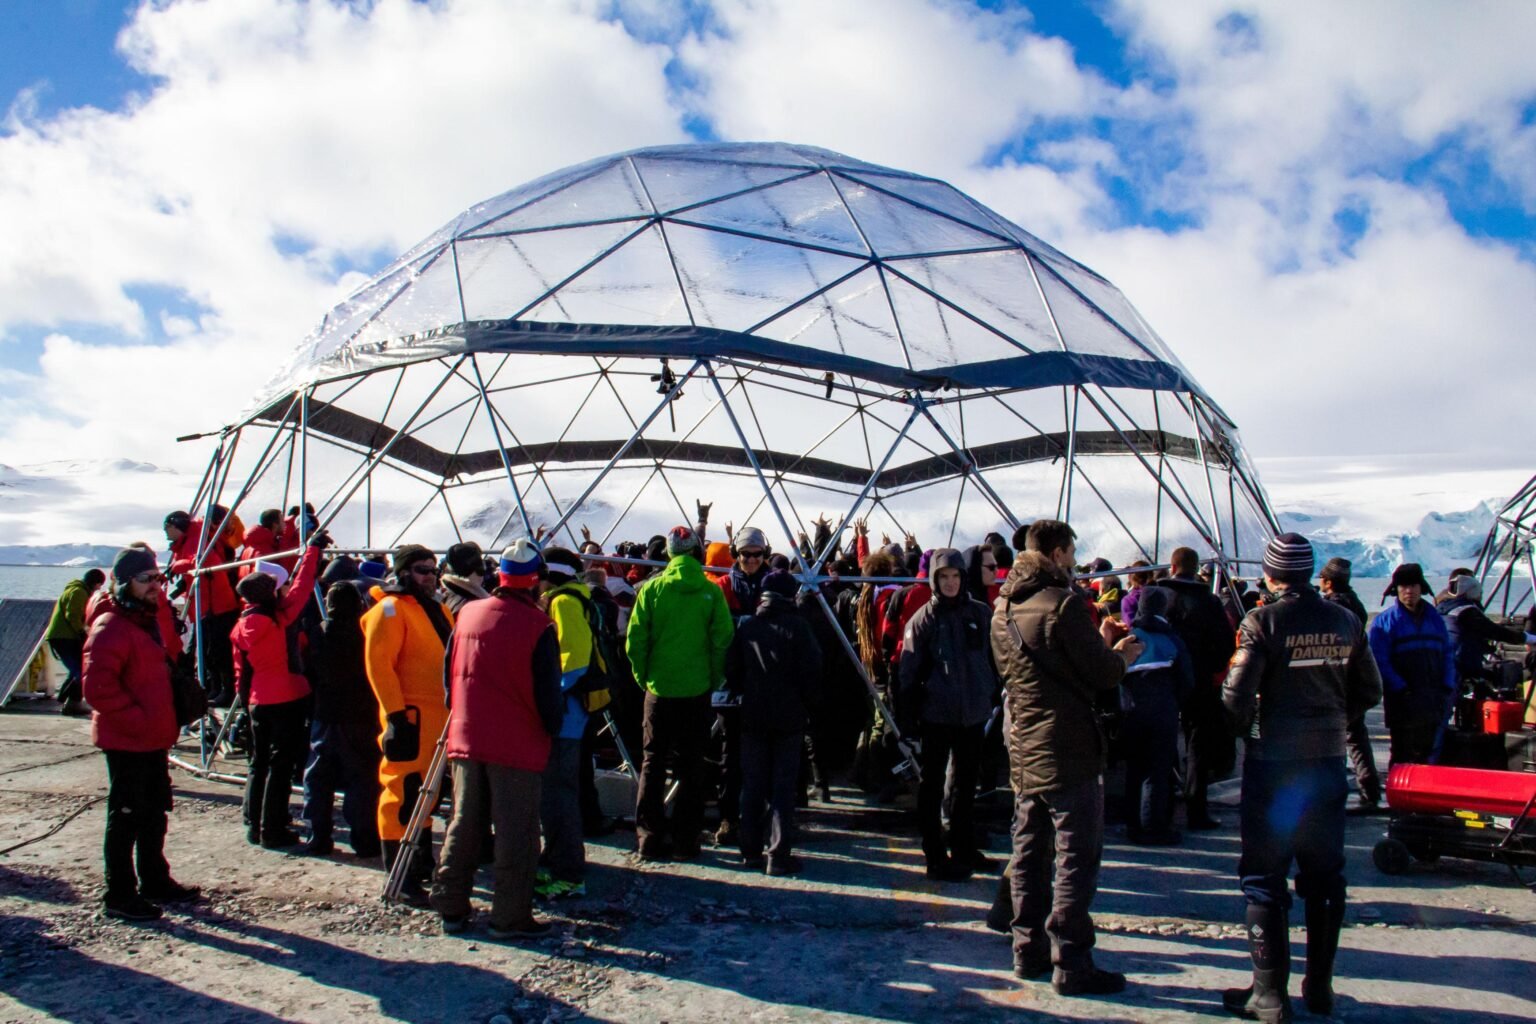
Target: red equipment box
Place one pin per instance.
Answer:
(1500, 716)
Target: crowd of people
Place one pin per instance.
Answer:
(937, 671)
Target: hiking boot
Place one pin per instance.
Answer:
(754, 863)
(785, 866)
(1258, 1002)
(947, 870)
(133, 908)
(170, 891)
(528, 929)
(319, 846)
(1088, 983)
(1031, 966)
(278, 839)
(455, 925)
(975, 860)
(75, 709)
(1161, 837)
(1202, 823)
(601, 828)
(414, 894)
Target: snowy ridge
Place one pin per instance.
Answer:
(1441, 542)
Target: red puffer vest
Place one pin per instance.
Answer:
(494, 716)
(127, 682)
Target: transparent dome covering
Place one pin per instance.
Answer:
(769, 251)
(782, 330)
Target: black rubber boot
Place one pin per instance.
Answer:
(1324, 919)
(1269, 943)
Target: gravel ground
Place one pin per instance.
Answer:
(861, 936)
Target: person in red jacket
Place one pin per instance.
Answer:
(505, 706)
(211, 600)
(270, 680)
(261, 540)
(127, 681)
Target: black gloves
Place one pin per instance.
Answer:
(320, 539)
(402, 737)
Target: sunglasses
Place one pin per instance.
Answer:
(750, 554)
(424, 570)
(149, 577)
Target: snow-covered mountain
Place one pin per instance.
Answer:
(1440, 542)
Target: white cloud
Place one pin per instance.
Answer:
(1278, 85)
(926, 87)
(356, 128)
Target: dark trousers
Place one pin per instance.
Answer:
(1293, 811)
(218, 657)
(940, 744)
(138, 798)
(70, 654)
(674, 728)
(770, 771)
(1414, 738)
(1362, 760)
(510, 798)
(278, 736)
(592, 816)
(1151, 751)
(345, 756)
(1058, 843)
(560, 813)
(729, 797)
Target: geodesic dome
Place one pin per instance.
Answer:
(784, 331)
(1507, 562)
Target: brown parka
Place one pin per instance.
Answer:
(1054, 739)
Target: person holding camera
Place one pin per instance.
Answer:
(404, 636)
(1054, 662)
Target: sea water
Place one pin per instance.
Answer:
(38, 582)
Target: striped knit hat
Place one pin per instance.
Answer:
(520, 565)
(1289, 559)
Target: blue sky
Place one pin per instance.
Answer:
(1344, 191)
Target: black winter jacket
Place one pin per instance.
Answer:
(1346, 597)
(946, 673)
(774, 666)
(1201, 622)
(1054, 739)
(1303, 671)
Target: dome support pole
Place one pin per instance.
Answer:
(869, 485)
(1194, 517)
(378, 457)
(639, 431)
(972, 471)
(1064, 502)
(501, 450)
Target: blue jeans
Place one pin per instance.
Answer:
(1293, 811)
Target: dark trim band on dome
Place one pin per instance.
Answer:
(339, 423)
(1024, 372)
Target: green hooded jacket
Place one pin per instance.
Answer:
(679, 631)
(68, 621)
